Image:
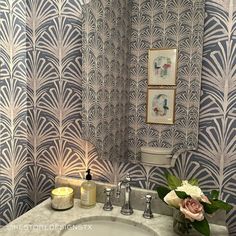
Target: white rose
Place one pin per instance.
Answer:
(172, 199)
(194, 191)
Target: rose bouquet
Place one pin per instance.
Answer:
(192, 204)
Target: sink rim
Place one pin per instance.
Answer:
(110, 219)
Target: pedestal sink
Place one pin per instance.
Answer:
(102, 226)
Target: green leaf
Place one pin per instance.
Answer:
(162, 192)
(209, 208)
(202, 227)
(216, 205)
(173, 182)
(193, 182)
(222, 205)
(181, 194)
(214, 194)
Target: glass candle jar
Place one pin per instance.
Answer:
(62, 198)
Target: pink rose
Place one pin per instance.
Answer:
(192, 209)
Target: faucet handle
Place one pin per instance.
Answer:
(108, 191)
(148, 198)
(108, 205)
(128, 178)
(148, 211)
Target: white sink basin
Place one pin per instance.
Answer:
(102, 226)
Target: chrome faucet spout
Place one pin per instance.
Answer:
(126, 208)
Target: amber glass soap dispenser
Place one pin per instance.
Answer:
(88, 192)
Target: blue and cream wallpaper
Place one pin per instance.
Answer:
(53, 62)
(14, 198)
(115, 71)
(105, 83)
(41, 102)
(166, 24)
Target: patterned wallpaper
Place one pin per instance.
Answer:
(53, 93)
(40, 100)
(14, 197)
(105, 85)
(166, 24)
(54, 146)
(110, 95)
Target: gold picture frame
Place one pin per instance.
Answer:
(162, 66)
(161, 106)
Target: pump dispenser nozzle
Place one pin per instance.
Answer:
(88, 176)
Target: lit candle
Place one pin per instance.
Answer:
(62, 198)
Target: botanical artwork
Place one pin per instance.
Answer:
(160, 106)
(214, 160)
(162, 67)
(155, 47)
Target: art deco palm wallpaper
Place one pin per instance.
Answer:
(40, 106)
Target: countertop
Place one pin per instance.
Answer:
(42, 220)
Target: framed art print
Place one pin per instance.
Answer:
(160, 106)
(162, 67)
